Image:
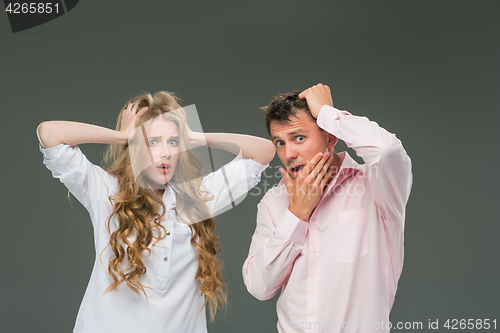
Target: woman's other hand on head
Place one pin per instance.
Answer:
(130, 117)
(196, 138)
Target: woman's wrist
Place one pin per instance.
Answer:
(197, 139)
(122, 137)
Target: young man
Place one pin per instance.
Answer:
(330, 235)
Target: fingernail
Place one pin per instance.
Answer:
(330, 158)
(320, 154)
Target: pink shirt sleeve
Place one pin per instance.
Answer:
(273, 251)
(388, 165)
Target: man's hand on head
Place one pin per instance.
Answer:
(316, 97)
(304, 192)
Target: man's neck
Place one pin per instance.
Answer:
(336, 164)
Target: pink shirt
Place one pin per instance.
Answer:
(339, 271)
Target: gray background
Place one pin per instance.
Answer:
(425, 70)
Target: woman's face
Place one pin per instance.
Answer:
(161, 154)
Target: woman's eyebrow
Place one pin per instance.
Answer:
(159, 137)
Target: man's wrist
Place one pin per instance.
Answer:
(303, 216)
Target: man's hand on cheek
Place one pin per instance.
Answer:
(304, 192)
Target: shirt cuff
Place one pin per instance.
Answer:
(256, 166)
(327, 115)
(292, 228)
(50, 153)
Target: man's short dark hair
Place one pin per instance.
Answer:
(282, 107)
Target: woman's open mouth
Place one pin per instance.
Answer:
(164, 168)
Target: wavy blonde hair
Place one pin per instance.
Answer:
(137, 209)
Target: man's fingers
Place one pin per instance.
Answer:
(315, 168)
(309, 167)
(321, 169)
(286, 175)
(303, 94)
(325, 179)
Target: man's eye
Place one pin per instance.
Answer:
(300, 138)
(173, 142)
(279, 143)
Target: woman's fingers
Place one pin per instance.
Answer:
(141, 111)
(134, 108)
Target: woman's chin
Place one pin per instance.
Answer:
(153, 182)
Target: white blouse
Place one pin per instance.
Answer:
(173, 300)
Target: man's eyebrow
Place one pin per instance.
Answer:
(299, 131)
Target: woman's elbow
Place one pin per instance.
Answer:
(43, 132)
(267, 154)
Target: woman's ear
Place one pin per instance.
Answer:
(332, 140)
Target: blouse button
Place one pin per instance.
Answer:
(168, 233)
(165, 259)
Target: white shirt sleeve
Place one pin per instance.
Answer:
(86, 181)
(231, 183)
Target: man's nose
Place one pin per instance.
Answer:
(290, 153)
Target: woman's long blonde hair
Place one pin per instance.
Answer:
(137, 209)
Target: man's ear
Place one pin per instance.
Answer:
(331, 140)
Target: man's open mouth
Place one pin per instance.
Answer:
(296, 169)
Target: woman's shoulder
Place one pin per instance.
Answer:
(82, 177)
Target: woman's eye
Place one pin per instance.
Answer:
(300, 138)
(173, 142)
(152, 142)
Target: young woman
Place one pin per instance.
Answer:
(156, 266)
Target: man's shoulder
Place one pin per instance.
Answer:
(276, 193)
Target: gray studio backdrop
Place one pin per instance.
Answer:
(426, 70)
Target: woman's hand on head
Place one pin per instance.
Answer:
(130, 116)
(195, 138)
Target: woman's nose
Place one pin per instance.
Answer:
(165, 152)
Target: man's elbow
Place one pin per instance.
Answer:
(259, 293)
(394, 152)
(257, 288)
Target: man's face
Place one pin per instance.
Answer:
(298, 141)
